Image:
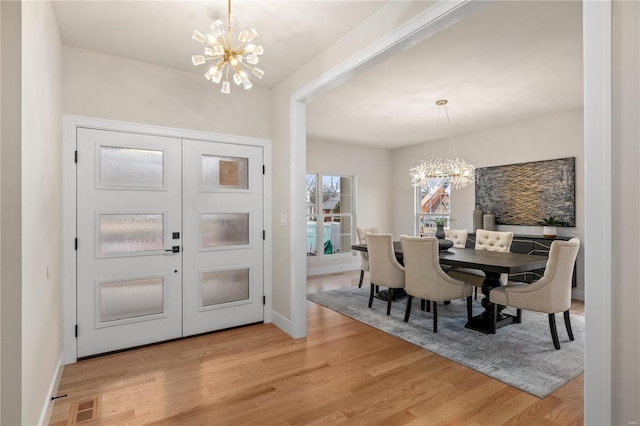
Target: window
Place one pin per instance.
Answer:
(432, 200)
(329, 214)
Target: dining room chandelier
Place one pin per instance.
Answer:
(235, 60)
(457, 171)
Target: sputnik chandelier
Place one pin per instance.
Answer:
(456, 170)
(230, 59)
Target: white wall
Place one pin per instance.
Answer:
(543, 138)
(41, 206)
(372, 169)
(103, 86)
(626, 227)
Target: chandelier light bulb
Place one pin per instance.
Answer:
(198, 36)
(230, 59)
(197, 60)
(257, 72)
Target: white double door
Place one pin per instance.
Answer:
(170, 238)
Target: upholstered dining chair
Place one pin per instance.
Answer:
(550, 294)
(364, 256)
(425, 279)
(489, 241)
(457, 236)
(384, 269)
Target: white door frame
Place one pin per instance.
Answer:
(597, 37)
(70, 124)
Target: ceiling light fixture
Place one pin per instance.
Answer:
(231, 59)
(456, 170)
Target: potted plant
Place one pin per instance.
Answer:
(440, 222)
(550, 223)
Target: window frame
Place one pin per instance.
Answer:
(315, 211)
(421, 226)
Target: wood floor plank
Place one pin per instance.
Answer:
(343, 372)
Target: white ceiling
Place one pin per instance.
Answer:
(509, 61)
(159, 32)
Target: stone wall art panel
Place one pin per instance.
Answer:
(524, 193)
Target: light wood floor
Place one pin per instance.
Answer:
(343, 372)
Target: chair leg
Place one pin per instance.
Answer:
(518, 316)
(428, 305)
(435, 316)
(469, 309)
(567, 323)
(494, 318)
(407, 311)
(373, 289)
(422, 305)
(389, 299)
(554, 331)
(475, 291)
(361, 278)
(447, 302)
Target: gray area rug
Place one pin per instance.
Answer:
(520, 355)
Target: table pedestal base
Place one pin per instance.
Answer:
(483, 323)
(384, 294)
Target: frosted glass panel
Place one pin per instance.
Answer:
(131, 167)
(224, 286)
(225, 229)
(220, 173)
(126, 233)
(130, 299)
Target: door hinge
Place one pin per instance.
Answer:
(264, 299)
(75, 157)
(76, 330)
(264, 234)
(264, 169)
(76, 244)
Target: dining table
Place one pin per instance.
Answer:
(492, 264)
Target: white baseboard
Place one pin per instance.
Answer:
(47, 407)
(332, 269)
(282, 323)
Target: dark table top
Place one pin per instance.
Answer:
(488, 261)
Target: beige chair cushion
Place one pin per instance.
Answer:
(552, 292)
(493, 240)
(489, 241)
(457, 236)
(384, 269)
(364, 256)
(424, 278)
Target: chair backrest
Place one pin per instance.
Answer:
(457, 236)
(424, 277)
(493, 240)
(364, 256)
(364, 230)
(559, 273)
(384, 269)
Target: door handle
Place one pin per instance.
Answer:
(174, 249)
